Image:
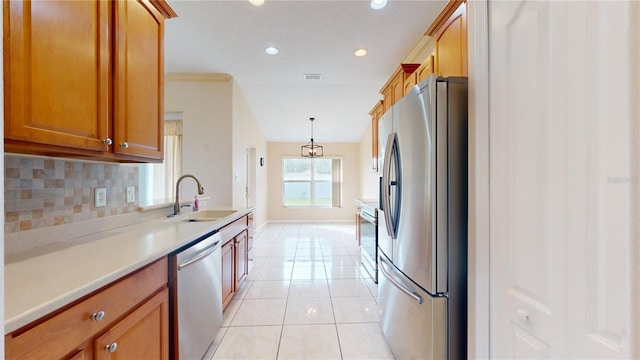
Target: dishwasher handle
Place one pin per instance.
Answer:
(203, 254)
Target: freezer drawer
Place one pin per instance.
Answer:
(415, 324)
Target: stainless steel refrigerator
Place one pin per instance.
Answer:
(423, 245)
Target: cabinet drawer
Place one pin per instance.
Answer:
(59, 334)
(232, 229)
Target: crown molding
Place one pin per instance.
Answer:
(163, 7)
(449, 9)
(198, 77)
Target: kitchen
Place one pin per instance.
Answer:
(479, 339)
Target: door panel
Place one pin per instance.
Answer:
(43, 103)
(139, 69)
(521, 180)
(560, 180)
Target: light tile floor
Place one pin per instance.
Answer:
(306, 297)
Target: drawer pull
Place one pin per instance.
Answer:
(111, 348)
(107, 141)
(97, 316)
(124, 145)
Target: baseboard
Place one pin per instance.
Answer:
(341, 221)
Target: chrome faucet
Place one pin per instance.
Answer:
(176, 205)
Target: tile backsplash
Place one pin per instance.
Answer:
(41, 192)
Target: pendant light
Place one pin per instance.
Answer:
(311, 150)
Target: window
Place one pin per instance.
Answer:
(312, 182)
(157, 181)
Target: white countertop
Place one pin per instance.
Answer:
(46, 278)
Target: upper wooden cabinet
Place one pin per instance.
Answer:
(138, 117)
(425, 69)
(450, 32)
(376, 113)
(56, 67)
(84, 78)
(393, 90)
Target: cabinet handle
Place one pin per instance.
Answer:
(107, 141)
(124, 145)
(112, 347)
(97, 316)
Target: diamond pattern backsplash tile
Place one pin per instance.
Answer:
(42, 192)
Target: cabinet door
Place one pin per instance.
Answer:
(425, 69)
(138, 106)
(227, 273)
(56, 60)
(376, 113)
(242, 258)
(144, 334)
(251, 231)
(398, 88)
(83, 354)
(451, 45)
(409, 84)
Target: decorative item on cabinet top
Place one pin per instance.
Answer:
(90, 104)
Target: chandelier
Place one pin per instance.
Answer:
(311, 150)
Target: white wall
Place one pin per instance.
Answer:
(247, 134)
(368, 178)
(350, 154)
(205, 101)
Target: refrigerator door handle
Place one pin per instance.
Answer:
(386, 168)
(391, 211)
(397, 284)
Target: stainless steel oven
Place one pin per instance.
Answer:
(369, 240)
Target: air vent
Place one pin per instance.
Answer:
(313, 76)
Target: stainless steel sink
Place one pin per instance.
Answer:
(209, 215)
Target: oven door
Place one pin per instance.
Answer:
(369, 244)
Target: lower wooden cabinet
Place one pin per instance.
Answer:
(235, 256)
(144, 334)
(228, 280)
(241, 257)
(84, 354)
(132, 312)
(251, 231)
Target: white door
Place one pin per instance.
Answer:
(562, 143)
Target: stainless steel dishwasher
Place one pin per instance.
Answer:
(196, 296)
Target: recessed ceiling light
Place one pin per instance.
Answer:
(378, 4)
(360, 52)
(256, 2)
(271, 50)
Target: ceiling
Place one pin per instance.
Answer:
(313, 37)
